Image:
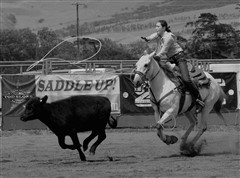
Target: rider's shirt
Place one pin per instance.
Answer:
(166, 45)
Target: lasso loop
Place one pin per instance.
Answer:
(74, 63)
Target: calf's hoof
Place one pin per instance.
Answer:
(91, 152)
(83, 158)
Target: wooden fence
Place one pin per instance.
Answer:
(53, 65)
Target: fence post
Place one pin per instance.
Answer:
(21, 69)
(121, 67)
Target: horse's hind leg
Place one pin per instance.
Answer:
(222, 118)
(202, 124)
(192, 122)
(217, 108)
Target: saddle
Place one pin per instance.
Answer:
(197, 76)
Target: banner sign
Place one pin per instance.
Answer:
(228, 82)
(136, 100)
(62, 86)
(16, 90)
(0, 101)
(238, 89)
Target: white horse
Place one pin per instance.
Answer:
(165, 97)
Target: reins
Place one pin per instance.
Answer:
(154, 100)
(144, 79)
(157, 103)
(155, 76)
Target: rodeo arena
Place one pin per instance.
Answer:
(109, 119)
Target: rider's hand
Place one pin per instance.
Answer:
(157, 58)
(145, 39)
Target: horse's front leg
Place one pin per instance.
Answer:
(160, 122)
(159, 127)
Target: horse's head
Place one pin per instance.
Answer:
(143, 70)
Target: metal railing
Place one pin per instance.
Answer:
(117, 66)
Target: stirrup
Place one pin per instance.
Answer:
(200, 105)
(200, 102)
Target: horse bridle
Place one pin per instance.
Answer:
(143, 75)
(145, 83)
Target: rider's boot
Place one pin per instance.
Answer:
(196, 95)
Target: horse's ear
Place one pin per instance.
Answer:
(145, 52)
(152, 54)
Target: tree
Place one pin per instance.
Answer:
(17, 45)
(136, 49)
(113, 51)
(47, 40)
(211, 39)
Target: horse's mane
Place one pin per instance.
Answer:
(168, 71)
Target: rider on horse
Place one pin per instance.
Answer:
(167, 45)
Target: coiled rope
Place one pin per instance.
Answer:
(74, 63)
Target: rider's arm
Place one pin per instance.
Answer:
(152, 37)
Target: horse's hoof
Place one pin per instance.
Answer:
(191, 148)
(193, 152)
(83, 158)
(188, 149)
(174, 139)
(170, 139)
(185, 152)
(182, 146)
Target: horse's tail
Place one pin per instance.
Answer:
(218, 105)
(112, 122)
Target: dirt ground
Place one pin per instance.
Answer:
(124, 153)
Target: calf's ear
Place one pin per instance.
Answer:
(44, 99)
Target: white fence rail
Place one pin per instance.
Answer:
(119, 66)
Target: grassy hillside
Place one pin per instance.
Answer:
(60, 14)
(227, 14)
